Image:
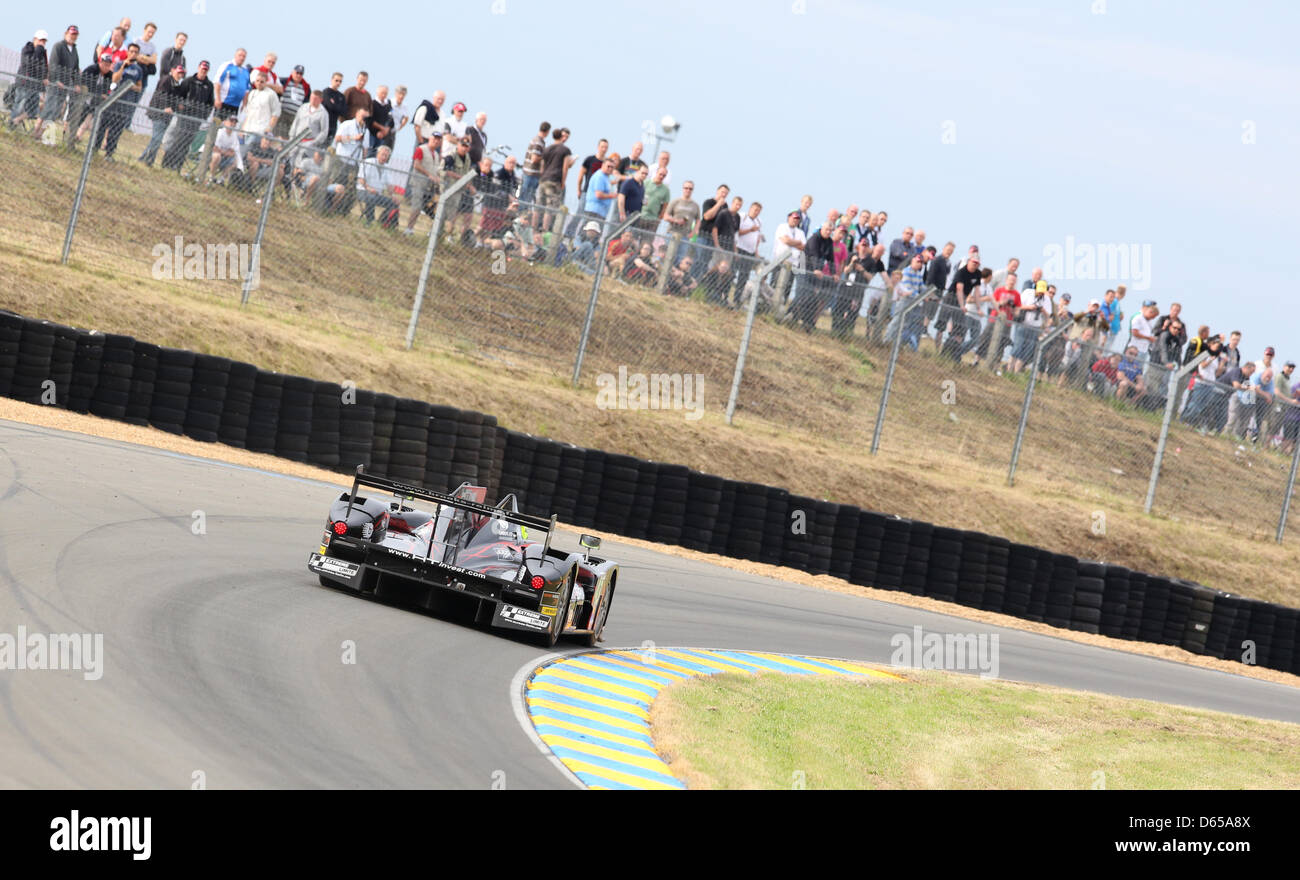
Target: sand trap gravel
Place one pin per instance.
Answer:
(50, 417)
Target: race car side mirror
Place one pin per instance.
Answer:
(590, 542)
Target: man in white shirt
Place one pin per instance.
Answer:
(225, 149)
(262, 108)
(454, 128)
(349, 140)
(1143, 328)
(748, 239)
(790, 242)
(375, 186)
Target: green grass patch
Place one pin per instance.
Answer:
(940, 730)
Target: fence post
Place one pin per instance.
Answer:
(1029, 397)
(666, 268)
(205, 155)
(1290, 488)
(255, 267)
(1000, 325)
(595, 292)
(1175, 376)
(744, 339)
(893, 362)
(434, 233)
(85, 171)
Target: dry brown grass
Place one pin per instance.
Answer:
(333, 303)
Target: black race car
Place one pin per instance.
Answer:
(493, 558)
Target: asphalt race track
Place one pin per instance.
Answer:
(223, 654)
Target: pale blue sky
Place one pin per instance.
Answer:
(1112, 121)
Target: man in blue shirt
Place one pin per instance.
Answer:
(1131, 383)
(233, 83)
(127, 74)
(600, 192)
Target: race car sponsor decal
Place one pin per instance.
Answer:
(330, 565)
(524, 617)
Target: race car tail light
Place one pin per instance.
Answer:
(340, 528)
(537, 582)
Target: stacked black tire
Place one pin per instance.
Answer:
(338, 426)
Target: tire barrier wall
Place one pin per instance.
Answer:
(214, 399)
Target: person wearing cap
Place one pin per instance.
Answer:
(33, 73)
(94, 82)
(194, 109)
(168, 97)
(174, 54)
(128, 74)
(64, 67)
(455, 166)
(965, 280)
(454, 127)
(1142, 329)
(426, 167)
(295, 92)
(1262, 407)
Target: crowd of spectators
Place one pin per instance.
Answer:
(840, 271)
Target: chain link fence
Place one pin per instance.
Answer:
(428, 248)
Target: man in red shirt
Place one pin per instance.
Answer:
(1106, 369)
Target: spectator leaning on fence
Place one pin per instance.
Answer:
(96, 79)
(1288, 395)
(426, 170)
(33, 71)
(64, 67)
(375, 189)
(1241, 403)
(168, 99)
(127, 74)
(194, 108)
(225, 150)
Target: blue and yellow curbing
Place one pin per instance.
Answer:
(592, 710)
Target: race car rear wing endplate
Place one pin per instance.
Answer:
(407, 490)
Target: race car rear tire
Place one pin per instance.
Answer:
(561, 612)
(592, 639)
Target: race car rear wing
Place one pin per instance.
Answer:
(407, 490)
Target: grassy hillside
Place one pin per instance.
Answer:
(334, 298)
